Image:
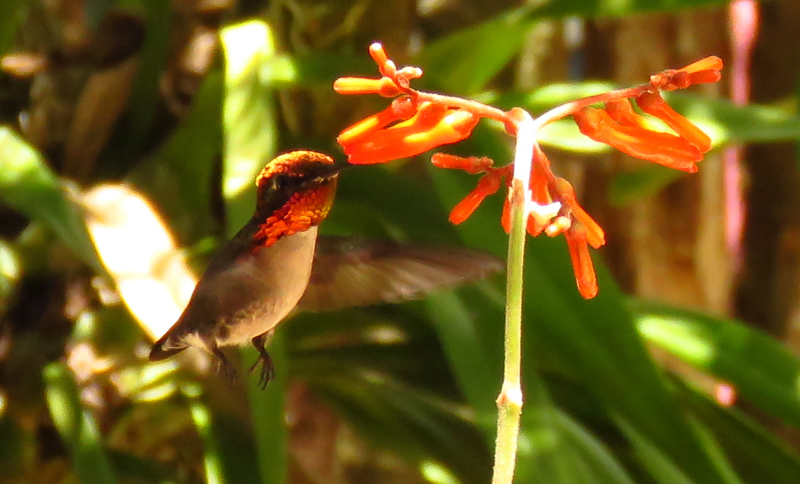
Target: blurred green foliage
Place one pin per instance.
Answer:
(419, 379)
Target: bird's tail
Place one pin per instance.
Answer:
(166, 347)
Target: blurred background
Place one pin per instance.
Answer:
(131, 134)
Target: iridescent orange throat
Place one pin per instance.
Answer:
(302, 211)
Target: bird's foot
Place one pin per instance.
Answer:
(267, 367)
(225, 367)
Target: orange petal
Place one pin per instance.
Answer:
(413, 137)
(361, 85)
(594, 233)
(711, 63)
(534, 227)
(385, 65)
(662, 148)
(582, 265)
(558, 226)
(705, 77)
(426, 117)
(401, 108)
(472, 165)
(505, 218)
(701, 72)
(622, 112)
(487, 185)
(652, 103)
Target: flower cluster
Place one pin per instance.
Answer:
(408, 127)
(416, 122)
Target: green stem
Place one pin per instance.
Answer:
(509, 402)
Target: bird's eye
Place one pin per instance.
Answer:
(281, 183)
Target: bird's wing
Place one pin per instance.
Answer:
(349, 272)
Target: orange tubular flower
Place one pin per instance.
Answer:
(558, 226)
(704, 71)
(540, 192)
(487, 185)
(653, 104)
(400, 109)
(582, 265)
(432, 126)
(594, 233)
(386, 66)
(505, 217)
(472, 165)
(418, 121)
(362, 85)
(662, 148)
(622, 112)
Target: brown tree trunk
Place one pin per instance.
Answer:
(768, 289)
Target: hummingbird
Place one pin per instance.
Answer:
(277, 263)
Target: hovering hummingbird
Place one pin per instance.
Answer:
(275, 264)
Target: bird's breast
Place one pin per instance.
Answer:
(263, 288)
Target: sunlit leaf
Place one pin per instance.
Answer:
(28, 185)
(267, 413)
(595, 340)
(757, 455)
(466, 60)
(761, 369)
(250, 135)
(77, 426)
(140, 255)
(179, 175)
(10, 272)
(250, 139)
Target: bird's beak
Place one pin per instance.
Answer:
(339, 166)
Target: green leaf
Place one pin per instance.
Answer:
(727, 123)
(615, 8)
(661, 468)
(267, 413)
(627, 188)
(10, 272)
(179, 175)
(465, 61)
(383, 369)
(250, 135)
(598, 461)
(250, 139)
(76, 426)
(554, 448)
(418, 425)
(18, 447)
(213, 460)
(13, 13)
(757, 455)
(28, 185)
(724, 121)
(144, 96)
(762, 369)
(595, 341)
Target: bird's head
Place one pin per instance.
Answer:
(295, 193)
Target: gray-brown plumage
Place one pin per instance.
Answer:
(275, 264)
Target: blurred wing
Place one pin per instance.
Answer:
(349, 272)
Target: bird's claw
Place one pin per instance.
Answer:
(267, 369)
